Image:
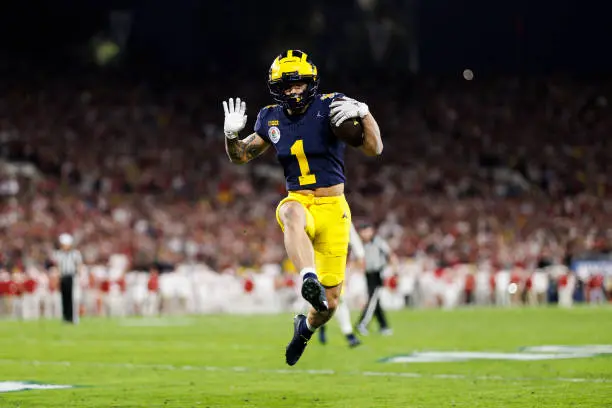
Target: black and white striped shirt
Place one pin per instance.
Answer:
(67, 261)
(377, 254)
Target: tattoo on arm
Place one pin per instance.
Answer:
(242, 151)
(252, 149)
(234, 149)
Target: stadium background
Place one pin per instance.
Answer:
(493, 188)
(111, 130)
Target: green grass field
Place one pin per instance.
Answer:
(238, 361)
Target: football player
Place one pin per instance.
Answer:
(315, 217)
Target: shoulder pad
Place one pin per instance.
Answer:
(270, 106)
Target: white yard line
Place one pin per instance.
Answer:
(171, 367)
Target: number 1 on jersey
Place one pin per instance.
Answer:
(297, 149)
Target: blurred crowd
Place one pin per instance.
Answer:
(508, 171)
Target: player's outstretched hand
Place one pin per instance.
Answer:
(235, 117)
(346, 108)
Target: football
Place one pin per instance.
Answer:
(350, 132)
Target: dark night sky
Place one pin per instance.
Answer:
(531, 35)
(495, 35)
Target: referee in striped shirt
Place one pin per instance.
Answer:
(378, 255)
(68, 261)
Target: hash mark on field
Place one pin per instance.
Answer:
(285, 371)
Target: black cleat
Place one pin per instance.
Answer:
(314, 293)
(298, 343)
(354, 342)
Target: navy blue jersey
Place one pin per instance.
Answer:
(309, 152)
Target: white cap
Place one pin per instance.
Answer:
(66, 239)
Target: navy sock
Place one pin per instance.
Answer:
(309, 275)
(322, 336)
(304, 331)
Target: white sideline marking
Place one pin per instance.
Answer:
(171, 367)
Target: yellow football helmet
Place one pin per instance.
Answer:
(290, 67)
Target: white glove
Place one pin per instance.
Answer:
(235, 117)
(347, 108)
